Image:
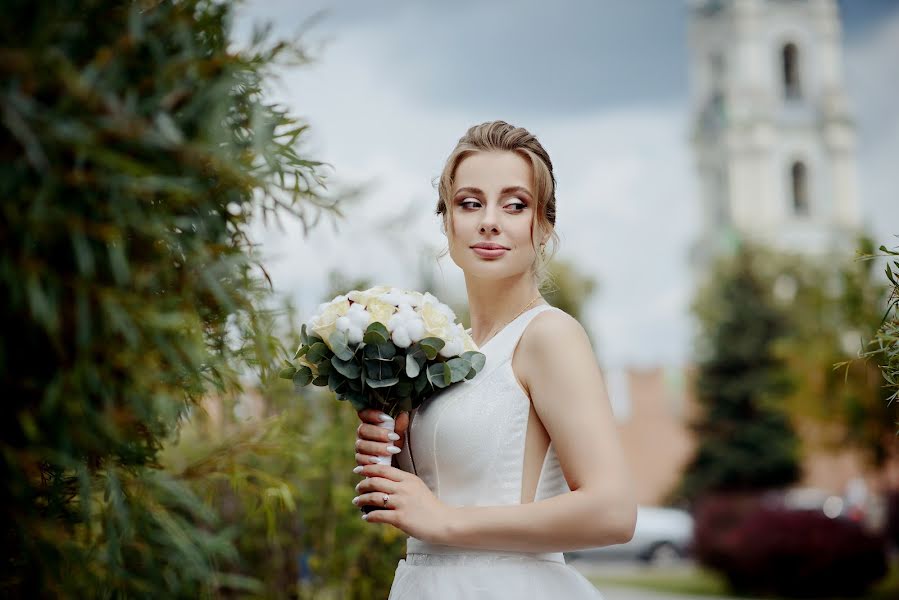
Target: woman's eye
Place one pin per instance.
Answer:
(519, 206)
(465, 203)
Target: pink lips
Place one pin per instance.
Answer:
(489, 250)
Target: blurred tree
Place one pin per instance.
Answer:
(745, 436)
(833, 306)
(137, 149)
(569, 289)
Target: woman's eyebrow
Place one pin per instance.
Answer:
(516, 189)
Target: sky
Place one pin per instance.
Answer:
(604, 86)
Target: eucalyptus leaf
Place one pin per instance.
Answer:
(287, 372)
(304, 339)
(431, 346)
(339, 343)
(301, 350)
(379, 369)
(317, 352)
(376, 333)
(337, 382)
(302, 377)
(382, 383)
(348, 368)
(477, 359)
(439, 375)
(412, 366)
(320, 381)
(459, 368)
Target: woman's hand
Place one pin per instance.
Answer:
(412, 506)
(372, 440)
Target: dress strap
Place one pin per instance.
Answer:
(503, 344)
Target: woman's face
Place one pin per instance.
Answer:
(492, 203)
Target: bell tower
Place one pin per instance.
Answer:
(772, 135)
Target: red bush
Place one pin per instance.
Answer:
(795, 553)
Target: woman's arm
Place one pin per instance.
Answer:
(565, 384)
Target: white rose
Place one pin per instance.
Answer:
(326, 323)
(436, 322)
(380, 311)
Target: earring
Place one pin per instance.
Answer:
(542, 251)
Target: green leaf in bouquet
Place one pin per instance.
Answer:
(380, 369)
(404, 389)
(415, 354)
(385, 351)
(304, 339)
(412, 367)
(356, 399)
(439, 375)
(382, 383)
(317, 352)
(324, 367)
(431, 346)
(459, 368)
(471, 374)
(301, 350)
(288, 371)
(421, 381)
(302, 377)
(337, 382)
(356, 384)
(348, 368)
(376, 334)
(339, 343)
(320, 381)
(477, 359)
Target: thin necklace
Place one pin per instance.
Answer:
(512, 319)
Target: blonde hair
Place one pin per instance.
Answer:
(501, 136)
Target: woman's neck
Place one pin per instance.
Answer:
(492, 304)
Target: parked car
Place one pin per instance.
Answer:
(661, 535)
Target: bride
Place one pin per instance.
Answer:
(495, 477)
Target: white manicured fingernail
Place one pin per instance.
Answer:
(358, 469)
(393, 449)
(365, 517)
(393, 437)
(356, 500)
(385, 417)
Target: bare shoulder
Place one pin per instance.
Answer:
(553, 337)
(554, 331)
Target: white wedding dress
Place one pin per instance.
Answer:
(467, 444)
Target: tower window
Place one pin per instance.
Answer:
(790, 56)
(799, 184)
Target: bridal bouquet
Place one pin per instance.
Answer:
(383, 348)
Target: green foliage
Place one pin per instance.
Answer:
(746, 439)
(885, 341)
(137, 150)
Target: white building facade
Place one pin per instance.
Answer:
(772, 133)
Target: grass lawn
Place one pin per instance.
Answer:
(701, 582)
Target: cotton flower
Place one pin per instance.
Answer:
(354, 323)
(406, 326)
(397, 296)
(455, 345)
